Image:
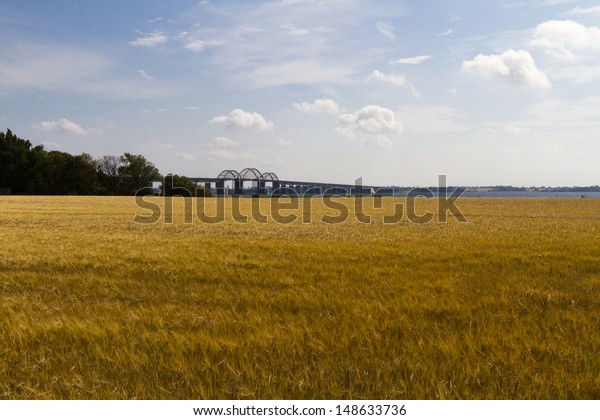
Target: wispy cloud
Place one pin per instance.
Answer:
(57, 68)
(284, 142)
(392, 79)
(413, 60)
(280, 43)
(224, 142)
(398, 80)
(228, 154)
(433, 119)
(150, 40)
(145, 75)
(195, 45)
(300, 72)
(49, 67)
(594, 10)
(185, 156)
(386, 29)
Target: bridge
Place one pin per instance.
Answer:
(250, 181)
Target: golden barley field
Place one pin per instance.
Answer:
(96, 306)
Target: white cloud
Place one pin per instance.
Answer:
(584, 11)
(283, 42)
(386, 29)
(228, 154)
(319, 106)
(52, 67)
(162, 145)
(185, 156)
(560, 114)
(371, 123)
(195, 45)
(145, 75)
(446, 33)
(283, 142)
(433, 119)
(239, 118)
(415, 93)
(565, 38)
(67, 126)
(554, 116)
(299, 72)
(513, 67)
(150, 40)
(50, 145)
(413, 60)
(224, 142)
(48, 67)
(295, 30)
(395, 80)
(392, 79)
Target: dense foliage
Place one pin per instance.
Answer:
(175, 185)
(28, 169)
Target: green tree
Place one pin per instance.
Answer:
(180, 185)
(81, 175)
(136, 173)
(15, 158)
(109, 177)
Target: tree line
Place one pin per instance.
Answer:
(28, 169)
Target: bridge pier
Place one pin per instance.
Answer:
(220, 188)
(238, 187)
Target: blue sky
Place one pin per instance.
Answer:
(398, 92)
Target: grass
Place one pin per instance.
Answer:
(94, 306)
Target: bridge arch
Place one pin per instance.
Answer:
(229, 174)
(269, 176)
(250, 174)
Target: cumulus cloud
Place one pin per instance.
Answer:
(67, 126)
(566, 38)
(239, 118)
(513, 67)
(413, 60)
(371, 123)
(319, 106)
(150, 40)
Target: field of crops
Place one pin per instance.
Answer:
(96, 306)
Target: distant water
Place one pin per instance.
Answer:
(524, 194)
(531, 194)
